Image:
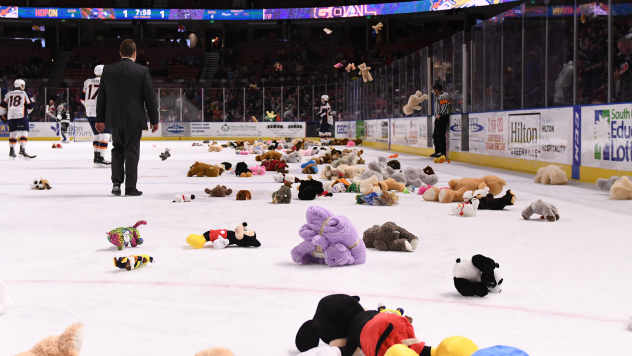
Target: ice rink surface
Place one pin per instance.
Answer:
(567, 285)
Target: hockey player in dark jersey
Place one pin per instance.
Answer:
(326, 120)
(63, 119)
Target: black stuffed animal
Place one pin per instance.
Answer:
(227, 165)
(341, 322)
(394, 164)
(491, 203)
(241, 170)
(478, 275)
(310, 189)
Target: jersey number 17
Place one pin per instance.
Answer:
(91, 96)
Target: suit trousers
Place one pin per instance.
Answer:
(439, 135)
(125, 155)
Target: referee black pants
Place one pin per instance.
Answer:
(125, 155)
(439, 135)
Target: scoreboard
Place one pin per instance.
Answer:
(93, 13)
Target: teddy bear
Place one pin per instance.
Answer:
(621, 189)
(348, 160)
(257, 170)
(390, 237)
(415, 177)
(466, 209)
(215, 148)
(275, 166)
(283, 195)
(394, 164)
(364, 71)
(450, 195)
(40, 184)
(374, 169)
(546, 210)
(200, 169)
(244, 195)
(551, 174)
(494, 183)
(309, 168)
(219, 191)
(227, 166)
(366, 186)
(414, 102)
(428, 170)
(242, 236)
(390, 184)
(241, 170)
(293, 157)
(165, 154)
(215, 351)
(309, 189)
(69, 343)
(269, 155)
(478, 194)
(132, 262)
(490, 203)
(357, 141)
(606, 184)
(124, 236)
(330, 174)
(478, 276)
(329, 239)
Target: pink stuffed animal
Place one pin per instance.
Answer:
(244, 152)
(306, 152)
(257, 170)
(350, 144)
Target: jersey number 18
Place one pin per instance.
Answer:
(15, 101)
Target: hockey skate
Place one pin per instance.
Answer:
(100, 162)
(12, 153)
(22, 154)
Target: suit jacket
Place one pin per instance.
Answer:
(124, 94)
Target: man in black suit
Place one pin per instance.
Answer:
(124, 94)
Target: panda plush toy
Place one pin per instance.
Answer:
(478, 275)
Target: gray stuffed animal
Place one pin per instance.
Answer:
(382, 161)
(548, 211)
(373, 169)
(349, 160)
(605, 184)
(390, 237)
(293, 157)
(414, 176)
(283, 195)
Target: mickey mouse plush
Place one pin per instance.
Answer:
(242, 237)
(478, 275)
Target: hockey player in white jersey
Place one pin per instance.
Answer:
(63, 118)
(89, 100)
(14, 110)
(326, 120)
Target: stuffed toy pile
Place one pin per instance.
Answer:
(124, 236)
(545, 210)
(551, 174)
(329, 239)
(242, 236)
(478, 276)
(390, 237)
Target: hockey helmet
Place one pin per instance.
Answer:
(62, 107)
(98, 70)
(324, 97)
(19, 83)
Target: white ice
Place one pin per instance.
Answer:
(567, 287)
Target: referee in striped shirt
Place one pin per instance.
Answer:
(442, 119)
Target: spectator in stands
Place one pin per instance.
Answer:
(564, 82)
(624, 72)
(191, 59)
(593, 68)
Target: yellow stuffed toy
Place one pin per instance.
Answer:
(364, 70)
(451, 346)
(67, 344)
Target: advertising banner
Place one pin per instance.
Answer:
(477, 133)
(410, 131)
(81, 131)
(175, 129)
(606, 133)
(342, 129)
(454, 133)
(370, 130)
(524, 135)
(247, 129)
(4, 130)
(360, 129)
(158, 132)
(351, 130)
(382, 130)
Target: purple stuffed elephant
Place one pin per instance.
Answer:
(329, 239)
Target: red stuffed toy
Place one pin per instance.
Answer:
(275, 166)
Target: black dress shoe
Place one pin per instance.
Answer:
(436, 154)
(116, 189)
(132, 192)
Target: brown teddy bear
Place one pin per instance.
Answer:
(494, 183)
(451, 196)
(390, 184)
(283, 195)
(357, 141)
(215, 148)
(318, 160)
(244, 195)
(215, 351)
(200, 169)
(428, 170)
(432, 194)
(551, 174)
(269, 155)
(310, 169)
(394, 164)
(219, 191)
(390, 237)
(364, 71)
(67, 344)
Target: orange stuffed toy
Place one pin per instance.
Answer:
(451, 196)
(390, 184)
(494, 183)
